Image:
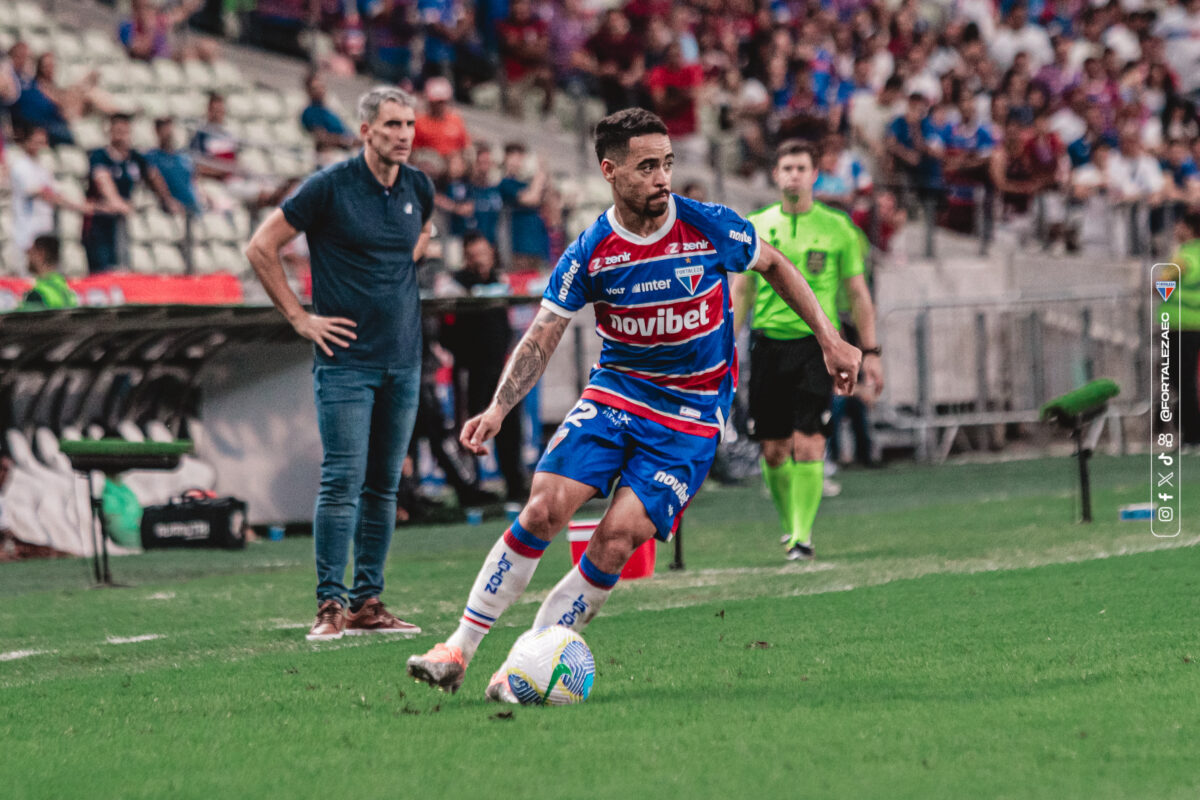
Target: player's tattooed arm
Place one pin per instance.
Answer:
(530, 358)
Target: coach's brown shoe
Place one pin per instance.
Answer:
(374, 618)
(330, 622)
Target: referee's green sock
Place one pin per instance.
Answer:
(779, 481)
(808, 477)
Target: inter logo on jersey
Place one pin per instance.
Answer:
(1164, 288)
(690, 277)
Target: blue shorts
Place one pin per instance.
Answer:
(604, 447)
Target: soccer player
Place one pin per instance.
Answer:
(646, 429)
(790, 391)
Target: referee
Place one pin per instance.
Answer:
(790, 389)
(367, 220)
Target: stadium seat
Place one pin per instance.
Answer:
(72, 162)
(99, 47)
(70, 224)
(143, 125)
(140, 259)
(288, 133)
(138, 228)
(47, 161)
(228, 258)
(242, 106)
(72, 188)
(168, 260)
(72, 259)
(89, 133)
(163, 227)
(67, 47)
(257, 132)
(217, 227)
(192, 473)
(30, 16)
(269, 104)
(186, 105)
(199, 75)
(51, 498)
(254, 161)
(203, 262)
(227, 76)
(169, 74)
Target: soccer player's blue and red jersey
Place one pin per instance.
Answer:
(663, 308)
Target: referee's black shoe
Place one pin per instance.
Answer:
(801, 552)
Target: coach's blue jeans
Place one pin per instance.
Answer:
(366, 419)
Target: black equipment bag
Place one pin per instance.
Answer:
(197, 519)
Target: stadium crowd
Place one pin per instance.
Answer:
(1078, 116)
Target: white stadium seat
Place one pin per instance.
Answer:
(168, 260)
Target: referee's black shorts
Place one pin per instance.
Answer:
(790, 389)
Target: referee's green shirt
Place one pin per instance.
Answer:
(826, 248)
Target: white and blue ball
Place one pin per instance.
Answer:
(551, 666)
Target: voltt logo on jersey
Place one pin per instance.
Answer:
(666, 323)
(739, 236)
(690, 277)
(568, 279)
(1164, 288)
(615, 290)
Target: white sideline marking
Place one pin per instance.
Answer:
(13, 655)
(288, 626)
(145, 637)
(161, 596)
(915, 568)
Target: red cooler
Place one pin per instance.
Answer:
(640, 564)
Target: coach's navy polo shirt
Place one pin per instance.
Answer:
(361, 236)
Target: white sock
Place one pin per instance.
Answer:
(502, 579)
(577, 598)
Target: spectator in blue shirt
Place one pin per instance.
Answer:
(176, 166)
(523, 198)
(327, 129)
(914, 157)
(1080, 150)
(454, 196)
(485, 194)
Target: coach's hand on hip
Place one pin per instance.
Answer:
(323, 331)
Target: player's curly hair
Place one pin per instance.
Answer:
(614, 131)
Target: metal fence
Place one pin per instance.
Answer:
(959, 363)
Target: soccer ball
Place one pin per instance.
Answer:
(550, 666)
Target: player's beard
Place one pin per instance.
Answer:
(656, 205)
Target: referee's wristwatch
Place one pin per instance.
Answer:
(872, 351)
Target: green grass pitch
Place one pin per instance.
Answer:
(959, 636)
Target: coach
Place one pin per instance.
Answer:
(367, 220)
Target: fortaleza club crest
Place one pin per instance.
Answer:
(690, 277)
(1164, 288)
